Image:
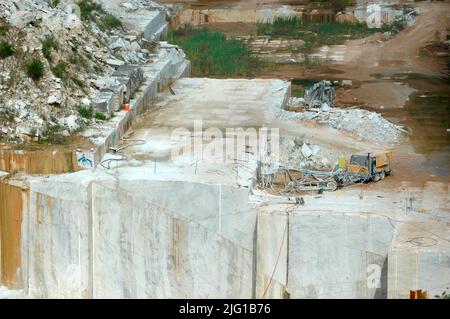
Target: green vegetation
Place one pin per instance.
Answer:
(212, 54)
(87, 8)
(3, 29)
(90, 11)
(110, 22)
(54, 3)
(444, 295)
(299, 86)
(315, 34)
(53, 134)
(79, 62)
(49, 44)
(6, 49)
(35, 69)
(59, 70)
(77, 81)
(298, 91)
(338, 5)
(100, 116)
(86, 112)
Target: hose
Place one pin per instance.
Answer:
(107, 162)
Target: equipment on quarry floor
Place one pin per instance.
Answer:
(368, 166)
(321, 93)
(360, 168)
(311, 180)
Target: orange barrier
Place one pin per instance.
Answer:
(418, 294)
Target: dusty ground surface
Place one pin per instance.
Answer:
(363, 61)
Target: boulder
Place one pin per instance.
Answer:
(114, 62)
(118, 44)
(72, 22)
(325, 107)
(306, 151)
(85, 101)
(70, 122)
(21, 19)
(54, 99)
(103, 83)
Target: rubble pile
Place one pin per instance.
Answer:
(295, 152)
(78, 55)
(365, 125)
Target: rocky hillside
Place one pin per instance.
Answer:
(54, 56)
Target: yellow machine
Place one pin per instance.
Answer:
(369, 166)
(360, 168)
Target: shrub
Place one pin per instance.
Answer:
(87, 8)
(86, 112)
(48, 44)
(53, 134)
(100, 116)
(6, 49)
(54, 3)
(77, 81)
(59, 70)
(110, 22)
(444, 295)
(35, 69)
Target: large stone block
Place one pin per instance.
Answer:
(131, 77)
(334, 255)
(103, 102)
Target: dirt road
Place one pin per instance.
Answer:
(372, 62)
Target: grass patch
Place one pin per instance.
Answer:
(86, 112)
(54, 3)
(53, 134)
(3, 29)
(315, 34)
(59, 70)
(98, 70)
(90, 11)
(87, 9)
(6, 49)
(49, 44)
(77, 82)
(79, 61)
(35, 69)
(100, 116)
(110, 22)
(212, 54)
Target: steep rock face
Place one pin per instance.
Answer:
(75, 42)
